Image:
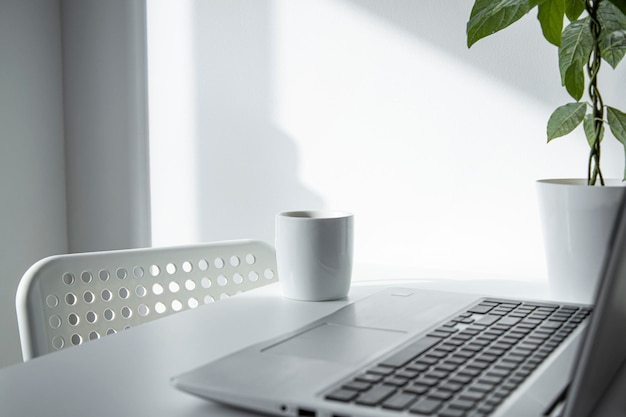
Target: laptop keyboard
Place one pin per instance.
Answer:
(467, 366)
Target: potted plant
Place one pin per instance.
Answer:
(577, 214)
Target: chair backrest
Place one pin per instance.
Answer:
(66, 300)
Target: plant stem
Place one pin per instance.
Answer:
(593, 68)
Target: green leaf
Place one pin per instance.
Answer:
(574, 8)
(613, 33)
(565, 119)
(575, 82)
(550, 17)
(479, 7)
(620, 4)
(617, 123)
(590, 130)
(614, 47)
(533, 3)
(490, 16)
(573, 53)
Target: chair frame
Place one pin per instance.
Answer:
(66, 300)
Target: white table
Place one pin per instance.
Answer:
(127, 374)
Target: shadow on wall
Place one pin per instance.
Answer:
(247, 173)
(247, 169)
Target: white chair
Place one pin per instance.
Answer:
(67, 300)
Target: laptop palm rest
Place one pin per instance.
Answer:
(297, 365)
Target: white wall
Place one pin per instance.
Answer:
(32, 212)
(369, 106)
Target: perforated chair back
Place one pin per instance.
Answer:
(67, 300)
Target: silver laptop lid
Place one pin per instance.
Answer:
(603, 349)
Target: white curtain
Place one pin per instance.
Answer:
(73, 136)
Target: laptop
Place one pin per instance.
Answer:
(412, 352)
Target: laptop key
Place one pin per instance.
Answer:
(428, 360)
(446, 367)
(418, 389)
(462, 404)
(487, 320)
(417, 367)
(357, 386)
(410, 352)
(407, 374)
(438, 353)
(489, 379)
(451, 412)
(472, 395)
(494, 351)
(426, 406)
(460, 379)
(511, 357)
(396, 382)
(551, 324)
(343, 395)
(446, 347)
(436, 374)
(451, 386)
(481, 387)
(439, 334)
(428, 381)
(399, 401)
(372, 378)
(485, 357)
(380, 370)
(481, 309)
(439, 394)
(499, 312)
(375, 395)
(509, 321)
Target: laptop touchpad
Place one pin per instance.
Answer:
(338, 343)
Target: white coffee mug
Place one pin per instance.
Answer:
(314, 252)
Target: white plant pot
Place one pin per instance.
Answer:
(577, 224)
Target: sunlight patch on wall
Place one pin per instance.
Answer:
(172, 101)
(437, 161)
